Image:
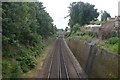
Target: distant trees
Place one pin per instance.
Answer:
(105, 15)
(81, 13)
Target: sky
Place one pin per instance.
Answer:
(58, 9)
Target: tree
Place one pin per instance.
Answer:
(105, 15)
(66, 29)
(24, 27)
(45, 21)
(22, 21)
(81, 13)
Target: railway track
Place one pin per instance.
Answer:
(61, 64)
(62, 69)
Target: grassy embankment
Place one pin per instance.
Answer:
(39, 62)
(23, 61)
(110, 44)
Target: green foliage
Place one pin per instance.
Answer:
(24, 67)
(81, 13)
(27, 58)
(82, 33)
(85, 38)
(16, 70)
(110, 45)
(113, 34)
(67, 34)
(25, 22)
(6, 68)
(96, 22)
(90, 33)
(113, 48)
(105, 15)
(24, 60)
(27, 62)
(25, 26)
(12, 68)
(76, 27)
(113, 40)
(101, 44)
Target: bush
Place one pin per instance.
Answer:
(6, 68)
(113, 48)
(24, 67)
(113, 40)
(27, 63)
(113, 34)
(10, 69)
(90, 33)
(82, 33)
(26, 58)
(16, 70)
(67, 34)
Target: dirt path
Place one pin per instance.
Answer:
(60, 63)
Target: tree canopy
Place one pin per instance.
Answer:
(105, 15)
(25, 25)
(81, 13)
(23, 21)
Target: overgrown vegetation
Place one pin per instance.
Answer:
(25, 25)
(83, 14)
(110, 45)
(82, 35)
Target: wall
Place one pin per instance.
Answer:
(101, 64)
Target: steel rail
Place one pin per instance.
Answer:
(51, 63)
(64, 61)
(59, 67)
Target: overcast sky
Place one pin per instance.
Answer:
(58, 9)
